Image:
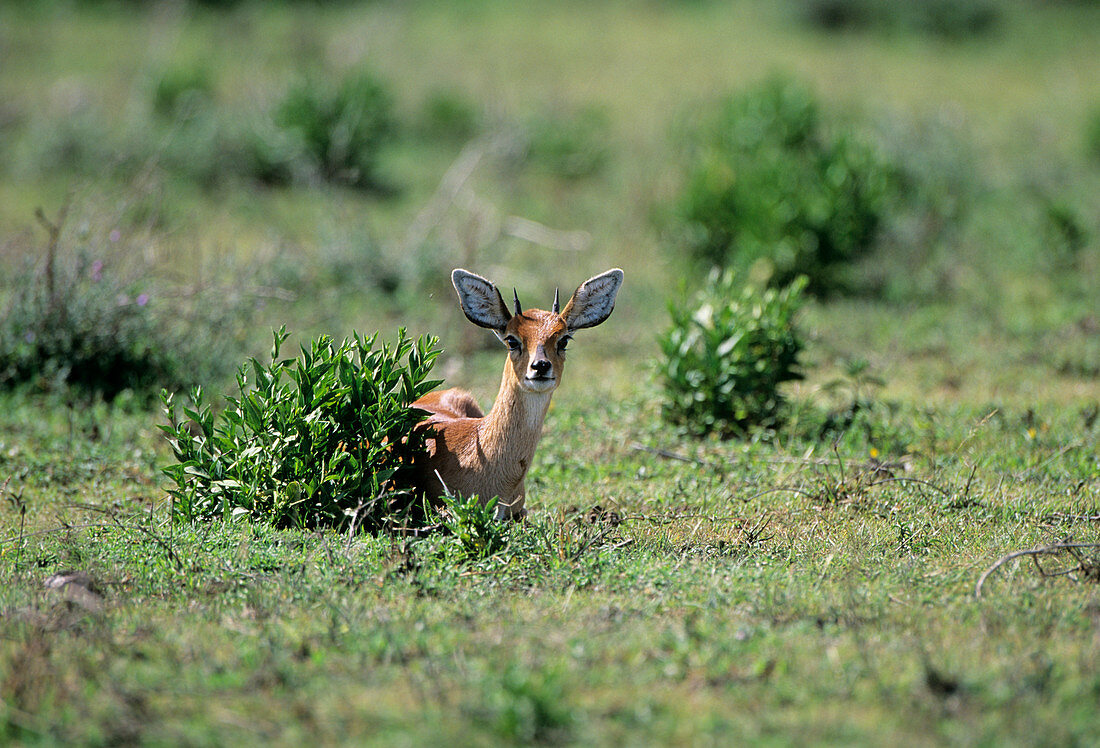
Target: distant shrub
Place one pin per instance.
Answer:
(450, 117)
(859, 418)
(350, 263)
(318, 132)
(771, 185)
(526, 705)
(191, 142)
(1092, 134)
(95, 338)
(180, 91)
(89, 323)
(957, 19)
(202, 147)
(726, 354)
(573, 146)
(340, 128)
(80, 143)
(1065, 233)
(952, 19)
(324, 439)
(839, 14)
(266, 154)
(214, 5)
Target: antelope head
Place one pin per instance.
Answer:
(536, 339)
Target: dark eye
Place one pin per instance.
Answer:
(563, 344)
(512, 343)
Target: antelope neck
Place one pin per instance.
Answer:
(515, 421)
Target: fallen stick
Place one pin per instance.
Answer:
(1046, 550)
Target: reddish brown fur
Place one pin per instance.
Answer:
(488, 455)
(452, 403)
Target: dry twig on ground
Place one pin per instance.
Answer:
(1088, 567)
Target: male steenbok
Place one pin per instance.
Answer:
(471, 453)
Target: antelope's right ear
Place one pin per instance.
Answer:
(480, 300)
(594, 301)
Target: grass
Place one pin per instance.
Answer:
(813, 585)
(747, 597)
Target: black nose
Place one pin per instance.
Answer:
(541, 367)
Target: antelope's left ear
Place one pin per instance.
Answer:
(480, 300)
(593, 301)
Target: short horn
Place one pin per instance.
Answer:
(515, 297)
(557, 304)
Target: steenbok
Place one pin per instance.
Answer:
(472, 453)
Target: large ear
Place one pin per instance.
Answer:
(594, 301)
(480, 300)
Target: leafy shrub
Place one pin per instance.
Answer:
(526, 705)
(80, 143)
(952, 19)
(100, 342)
(324, 439)
(341, 129)
(859, 418)
(727, 353)
(271, 155)
(1065, 233)
(91, 320)
(319, 131)
(770, 185)
(474, 526)
(450, 117)
(181, 90)
(1092, 134)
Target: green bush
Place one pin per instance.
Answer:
(180, 91)
(81, 144)
(474, 525)
(341, 129)
(95, 322)
(318, 132)
(1092, 134)
(526, 705)
(951, 19)
(325, 439)
(770, 185)
(726, 355)
(449, 116)
(857, 417)
(1065, 233)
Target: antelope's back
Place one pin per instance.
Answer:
(451, 444)
(448, 404)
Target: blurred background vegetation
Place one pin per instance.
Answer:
(211, 170)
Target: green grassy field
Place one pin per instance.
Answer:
(797, 586)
